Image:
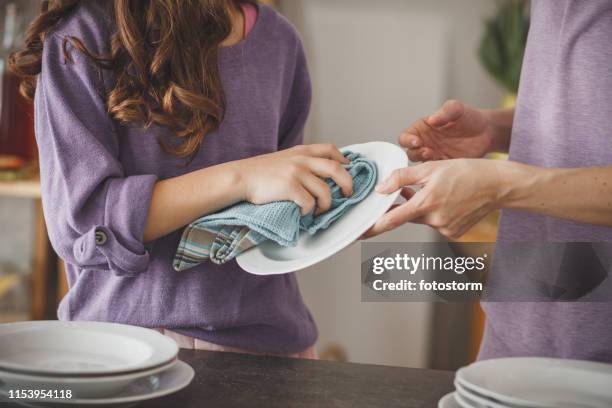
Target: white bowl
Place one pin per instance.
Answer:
(52, 348)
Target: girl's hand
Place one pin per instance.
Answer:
(455, 195)
(455, 131)
(295, 175)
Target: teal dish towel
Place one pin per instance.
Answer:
(222, 236)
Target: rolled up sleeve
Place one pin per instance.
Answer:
(95, 212)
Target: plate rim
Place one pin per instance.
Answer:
(462, 402)
(446, 399)
(390, 198)
(186, 370)
(143, 334)
(89, 379)
(461, 389)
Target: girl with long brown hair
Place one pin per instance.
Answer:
(150, 114)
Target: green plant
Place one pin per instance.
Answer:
(503, 44)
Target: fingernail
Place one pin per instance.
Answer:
(425, 156)
(414, 143)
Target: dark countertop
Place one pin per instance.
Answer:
(237, 380)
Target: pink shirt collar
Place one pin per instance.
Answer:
(250, 17)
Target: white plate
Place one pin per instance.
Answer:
(475, 400)
(270, 258)
(80, 387)
(82, 348)
(467, 403)
(540, 382)
(448, 401)
(168, 382)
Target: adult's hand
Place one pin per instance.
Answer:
(457, 131)
(454, 195)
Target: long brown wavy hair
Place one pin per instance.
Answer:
(164, 55)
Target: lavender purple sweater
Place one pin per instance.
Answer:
(563, 118)
(98, 176)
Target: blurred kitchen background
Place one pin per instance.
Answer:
(376, 67)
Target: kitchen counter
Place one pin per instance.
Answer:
(236, 380)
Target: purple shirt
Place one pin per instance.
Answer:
(98, 176)
(563, 119)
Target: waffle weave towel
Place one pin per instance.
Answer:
(222, 236)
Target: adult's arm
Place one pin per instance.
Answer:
(456, 194)
(583, 194)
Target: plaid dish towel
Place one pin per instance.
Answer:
(222, 236)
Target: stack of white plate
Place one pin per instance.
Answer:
(87, 363)
(531, 383)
